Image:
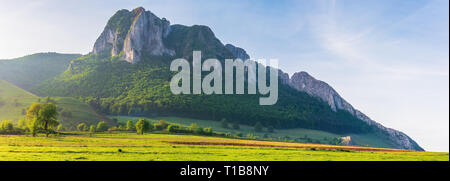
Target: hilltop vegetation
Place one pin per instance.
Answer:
(30, 70)
(185, 39)
(74, 111)
(14, 102)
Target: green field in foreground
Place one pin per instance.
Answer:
(317, 135)
(167, 147)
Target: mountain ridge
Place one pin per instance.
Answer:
(183, 40)
(27, 71)
(304, 82)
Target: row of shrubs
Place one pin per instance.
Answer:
(143, 126)
(161, 126)
(101, 126)
(7, 127)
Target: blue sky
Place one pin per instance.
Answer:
(388, 58)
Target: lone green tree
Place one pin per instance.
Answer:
(195, 128)
(161, 125)
(141, 126)
(172, 128)
(92, 129)
(208, 131)
(130, 126)
(6, 125)
(82, 127)
(60, 128)
(102, 126)
(42, 116)
(22, 124)
(32, 127)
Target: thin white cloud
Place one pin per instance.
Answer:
(355, 46)
(395, 70)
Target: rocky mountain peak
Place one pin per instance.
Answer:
(138, 10)
(238, 52)
(133, 34)
(302, 81)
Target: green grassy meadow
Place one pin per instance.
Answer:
(9, 96)
(81, 112)
(14, 99)
(317, 135)
(169, 147)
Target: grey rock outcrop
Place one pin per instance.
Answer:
(134, 34)
(237, 52)
(284, 77)
(105, 41)
(302, 81)
(242, 54)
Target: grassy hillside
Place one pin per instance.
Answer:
(14, 99)
(27, 71)
(296, 134)
(164, 147)
(80, 112)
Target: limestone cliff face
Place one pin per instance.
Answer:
(105, 41)
(242, 54)
(238, 52)
(131, 35)
(302, 81)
